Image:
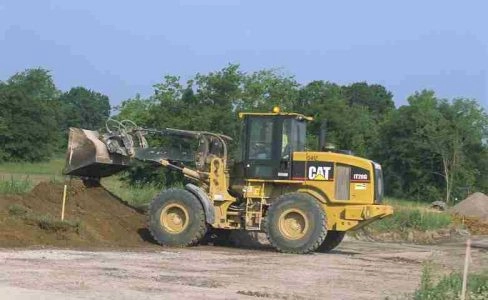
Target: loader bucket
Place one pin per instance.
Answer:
(88, 156)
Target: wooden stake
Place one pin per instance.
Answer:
(465, 273)
(64, 201)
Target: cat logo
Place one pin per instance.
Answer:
(319, 172)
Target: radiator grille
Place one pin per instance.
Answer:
(342, 184)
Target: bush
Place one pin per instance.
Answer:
(142, 174)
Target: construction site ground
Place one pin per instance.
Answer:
(105, 252)
(356, 270)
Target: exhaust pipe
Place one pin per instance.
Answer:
(322, 135)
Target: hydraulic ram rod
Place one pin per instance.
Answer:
(186, 171)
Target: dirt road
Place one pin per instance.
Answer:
(357, 270)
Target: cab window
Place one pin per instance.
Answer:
(293, 137)
(260, 138)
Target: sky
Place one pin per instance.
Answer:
(121, 48)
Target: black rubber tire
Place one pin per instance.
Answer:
(332, 240)
(315, 215)
(194, 231)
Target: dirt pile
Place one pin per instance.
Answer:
(475, 206)
(472, 212)
(94, 218)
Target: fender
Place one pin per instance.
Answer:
(314, 192)
(204, 200)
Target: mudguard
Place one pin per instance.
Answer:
(206, 203)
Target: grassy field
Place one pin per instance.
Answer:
(18, 177)
(412, 215)
(50, 168)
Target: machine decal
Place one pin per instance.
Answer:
(360, 175)
(360, 186)
(313, 170)
(320, 171)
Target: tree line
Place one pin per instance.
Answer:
(35, 115)
(430, 149)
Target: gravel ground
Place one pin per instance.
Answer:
(357, 270)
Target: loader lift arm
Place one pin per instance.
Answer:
(92, 154)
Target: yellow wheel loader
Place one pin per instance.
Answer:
(303, 200)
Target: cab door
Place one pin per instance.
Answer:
(262, 147)
(269, 145)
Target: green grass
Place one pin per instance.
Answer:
(138, 196)
(449, 286)
(409, 204)
(410, 215)
(15, 186)
(53, 167)
(20, 172)
(403, 220)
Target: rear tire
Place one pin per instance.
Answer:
(332, 240)
(295, 223)
(177, 218)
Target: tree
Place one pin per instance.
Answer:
(36, 84)
(408, 160)
(262, 90)
(348, 127)
(428, 146)
(28, 118)
(84, 108)
(136, 109)
(375, 97)
(463, 125)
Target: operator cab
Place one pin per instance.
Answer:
(268, 141)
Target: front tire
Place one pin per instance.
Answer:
(332, 240)
(177, 218)
(295, 223)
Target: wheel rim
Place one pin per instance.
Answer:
(293, 224)
(174, 218)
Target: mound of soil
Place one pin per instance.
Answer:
(94, 218)
(475, 206)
